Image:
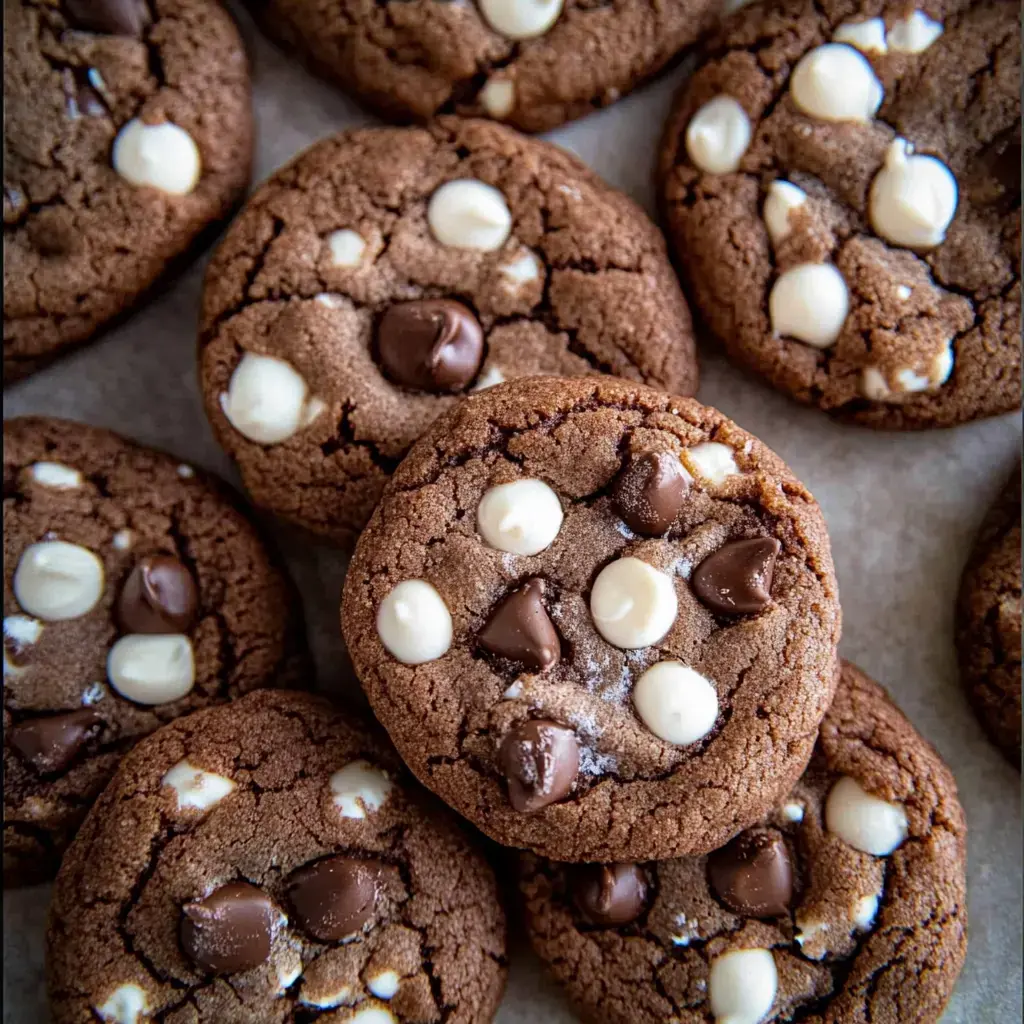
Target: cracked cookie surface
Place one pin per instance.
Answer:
(84, 83)
(437, 618)
(544, 269)
(860, 936)
(988, 630)
(118, 548)
(279, 783)
(878, 144)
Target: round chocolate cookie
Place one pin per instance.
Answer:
(597, 620)
(988, 628)
(127, 131)
(841, 182)
(135, 591)
(270, 861)
(531, 63)
(846, 903)
(385, 272)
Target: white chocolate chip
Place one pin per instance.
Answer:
(865, 822)
(371, 1015)
(468, 214)
(11, 669)
(127, 1004)
(521, 19)
(93, 694)
(122, 540)
(864, 911)
(195, 788)
(876, 387)
(913, 198)
(56, 580)
(22, 631)
(718, 135)
(267, 400)
(834, 82)
(186, 472)
(56, 475)
(742, 986)
(676, 703)
(289, 969)
(522, 517)
(522, 270)
(491, 376)
(711, 461)
(384, 985)
(162, 156)
(332, 300)
(152, 668)
(903, 292)
(323, 999)
(868, 36)
(783, 197)
(498, 97)
(514, 691)
(414, 623)
(809, 302)
(810, 937)
(347, 247)
(914, 34)
(359, 789)
(873, 384)
(793, 811)
(632, 604)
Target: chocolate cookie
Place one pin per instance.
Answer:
(128, 131)
(841, 183)
(135, 591)
(531, 63)
(385, 272)
(846, 903)
(271, 861)
(988, 628)
(597, 620)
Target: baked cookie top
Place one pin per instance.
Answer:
(841, 183)
(127, 130)
(271, 861)
(135, 591)
(385, 272)
(846, 903)
(597, 620)
(531, 63)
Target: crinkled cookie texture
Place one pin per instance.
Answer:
(128, 130)
(852, 935)
(135, 591)
(324, 352)
(574, 673)
(988, 630)
(531, 63)
(841, 183)
(271, 861)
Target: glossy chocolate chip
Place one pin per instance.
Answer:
(650, 491)
(49, 744)
(335, 897)
(610, 894)
(430, 345)
(753, 874)
(231, 930)
(110, 17)
(521, 629)
(540, 759)
(737, 578)
(159, 596)
(80, 98)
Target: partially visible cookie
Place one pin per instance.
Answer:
(533, 64)
(127, 131)
(135, 591)
(385, 272)
(841, 182)
(846, 903)
(597, 620)
(988, 628)
(270, 861)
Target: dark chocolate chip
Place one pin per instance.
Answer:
(335, 897)
(610, 894)
(111, 17)
(737, 578)
(540, 759)
(231, 930)
(50, 743)
(159, 596)
(650, 491)
(430, 344)
(521, 629)
(753, 875)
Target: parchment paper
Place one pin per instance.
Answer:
(902, 511)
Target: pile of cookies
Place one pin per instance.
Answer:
(597, 620)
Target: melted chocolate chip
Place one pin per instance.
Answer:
(753, 875)
(49, 744)
(650, 491)
(110, 17)
(335, 897)
(231, 930)
(737, 578)
(540, 759)
(430, 344)
(159, 596)
(521, 629)
(610, 894)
